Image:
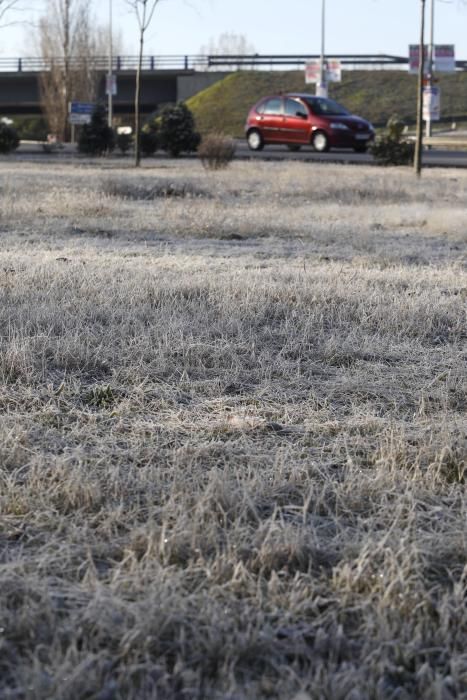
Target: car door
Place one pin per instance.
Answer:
(296, 122)
(271, 119)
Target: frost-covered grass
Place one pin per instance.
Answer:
(232, 433)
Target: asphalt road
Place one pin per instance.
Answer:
(431, 158)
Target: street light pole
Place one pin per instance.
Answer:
(421, 70)
(322, 87)
(110, 75)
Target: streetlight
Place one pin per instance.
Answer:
(110, 73)
(322, 86)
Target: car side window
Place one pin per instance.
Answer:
(273, 106)
(293, 108)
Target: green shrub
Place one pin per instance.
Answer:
(391, 148)
(97, 138)
(124, 142)
(149, 139)
(32, 128)
(9, 139)
(177, 132)
(216, 151)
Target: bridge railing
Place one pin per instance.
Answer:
(101, 63)
(201, 62)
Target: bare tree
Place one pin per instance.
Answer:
(70, 42)
(5, 7)
(144, 11)
(228, 44)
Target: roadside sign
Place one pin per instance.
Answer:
(111, 85)
(80, 112)
(81, 107)
(444, 58)
(78, 119)
(333, 71)
(431, 104)
(312, 71)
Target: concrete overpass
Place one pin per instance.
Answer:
(164, 78)
(20, 89)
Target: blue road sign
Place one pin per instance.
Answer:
(81, 107)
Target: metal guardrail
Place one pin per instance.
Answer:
(202, 62)
(459, 143)
(101, 63)
(295, 59)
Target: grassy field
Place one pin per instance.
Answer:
(375, 95)
(232, 433)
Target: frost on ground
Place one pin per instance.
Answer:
(232, 433)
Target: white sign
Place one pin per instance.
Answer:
(431, 104)
(79, 119)
(111, 85)
(444, 58)
(333, 73)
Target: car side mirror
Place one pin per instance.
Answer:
(301, 114)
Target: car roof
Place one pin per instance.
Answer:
(296, 95)
(302, 95)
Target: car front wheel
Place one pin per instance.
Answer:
(320, 142)
(255, 141)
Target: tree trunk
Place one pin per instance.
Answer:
(66, 54)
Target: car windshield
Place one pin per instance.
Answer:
(321, 105)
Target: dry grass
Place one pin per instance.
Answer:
(232, 433)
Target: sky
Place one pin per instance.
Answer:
(270, 26)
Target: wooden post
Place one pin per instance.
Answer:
(421, 71)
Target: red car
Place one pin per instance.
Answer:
(297, 119)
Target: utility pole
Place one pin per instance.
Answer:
(431, 50)
(110, 75)
(322, 87)
(421, 71)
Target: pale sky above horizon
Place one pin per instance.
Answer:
(352, 26)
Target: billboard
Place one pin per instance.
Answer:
(444, 58)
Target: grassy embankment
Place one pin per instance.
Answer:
(232, 433)
(375, 95)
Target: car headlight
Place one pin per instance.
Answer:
(339, 125)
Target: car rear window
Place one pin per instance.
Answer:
(321, 105)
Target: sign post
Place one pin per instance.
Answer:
(322, 83)
(421, 67)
